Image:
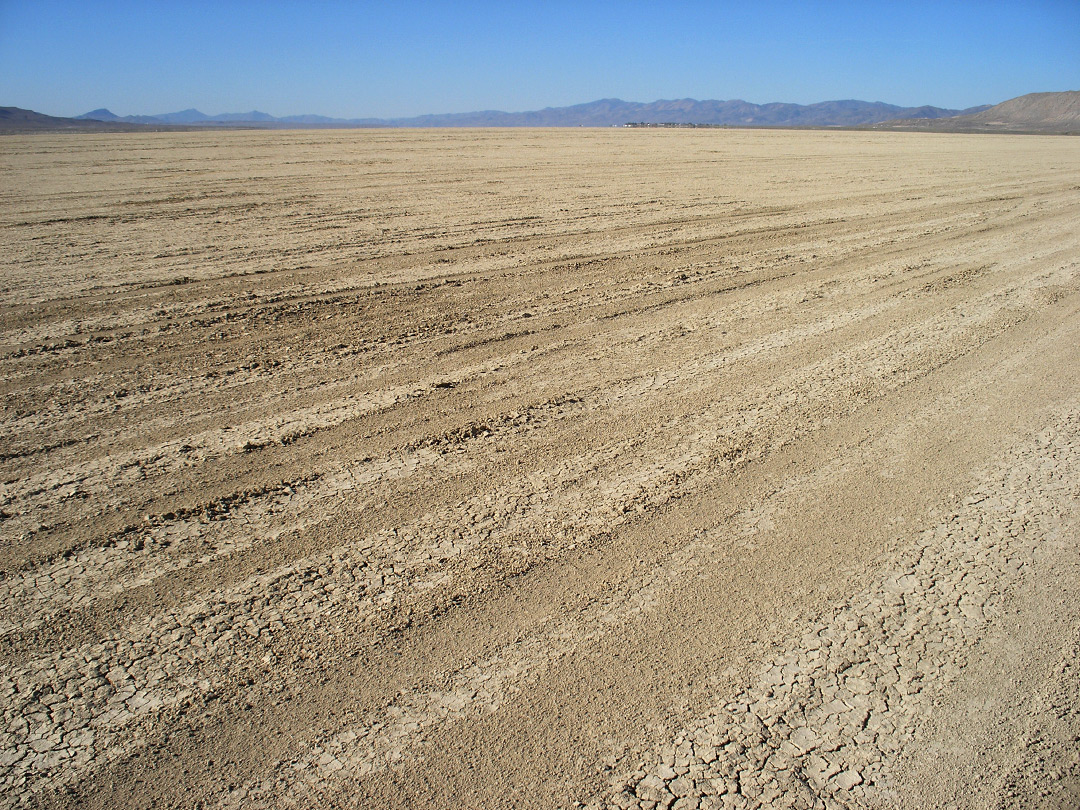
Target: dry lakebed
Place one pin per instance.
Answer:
(605, 468)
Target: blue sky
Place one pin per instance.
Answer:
(361, 59)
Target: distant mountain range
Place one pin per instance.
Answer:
(603, 113)
(1035, 112)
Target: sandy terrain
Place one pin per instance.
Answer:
(490, 469)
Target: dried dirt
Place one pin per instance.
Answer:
(482, 469)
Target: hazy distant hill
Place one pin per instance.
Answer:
(1035, 112)
(98, 115)
(190, 116)
(603, 113)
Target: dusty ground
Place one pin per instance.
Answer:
(525, 469)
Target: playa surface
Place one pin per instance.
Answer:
(491, 469)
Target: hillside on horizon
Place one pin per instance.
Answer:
(16, 119)
(1045, 113)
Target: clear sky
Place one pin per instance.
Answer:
(384, 59)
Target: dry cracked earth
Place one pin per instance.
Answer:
(492, 469)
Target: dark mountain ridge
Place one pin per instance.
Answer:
(16, 119)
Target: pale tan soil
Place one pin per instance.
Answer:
(524, 469)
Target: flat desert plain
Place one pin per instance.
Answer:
(534, 469)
